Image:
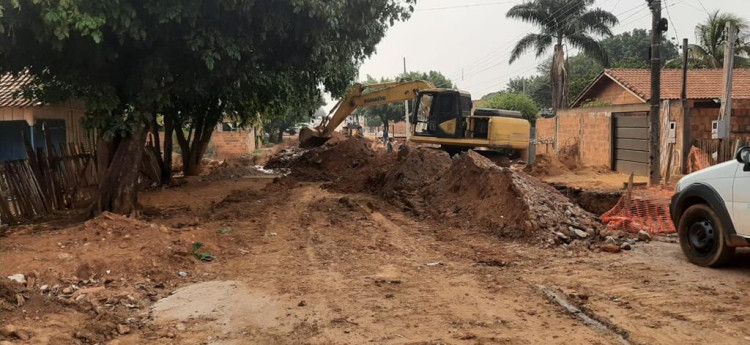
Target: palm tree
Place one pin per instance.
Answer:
(562, 21)
(711, 38)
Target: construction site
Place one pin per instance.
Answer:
(345, 243)
(258, 172)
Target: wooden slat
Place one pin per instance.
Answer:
(631, 133)
(632, 155)
(631, 120)
(628, 167)
(631, 144)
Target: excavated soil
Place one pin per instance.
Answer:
(299, 263)
(547, 165)
(469, 191)
(402, 183)
(476, 192)
(347, 164)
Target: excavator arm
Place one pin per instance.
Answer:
(361, 96)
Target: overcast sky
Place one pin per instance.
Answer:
(474, 36)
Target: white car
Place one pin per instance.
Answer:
(711, 211)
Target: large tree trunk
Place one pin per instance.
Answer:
(559, 78)
(280, 136)
(105, 151)
(118, 189)
(157, 147)
(194, 146)
(166, 172)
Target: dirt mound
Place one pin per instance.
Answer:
(547, 165)
(10, 295)
(475, 192)
(348, 163)
(420, 167)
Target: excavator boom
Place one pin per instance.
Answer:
(361, 96)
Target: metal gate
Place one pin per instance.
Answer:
(630, 143)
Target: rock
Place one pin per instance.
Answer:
(562, 237)
(91, 290)
(436, 263)
(644, 236)
(610, 240)
(19, 278)
(301, 303)
(182, 274)
(67, 290)
(528, 227)
(626, 246)
(580, 233)
(123, 329)
(44, 288)
(611, 248)
(23, 335)
(180, 327)
(163, 229)
(8, 330)
(64, 256)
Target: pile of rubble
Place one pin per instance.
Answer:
(468, 191)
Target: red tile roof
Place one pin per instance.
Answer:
(10, 91)
(701, 83)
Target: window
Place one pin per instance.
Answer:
(466, 106)
(423, 112)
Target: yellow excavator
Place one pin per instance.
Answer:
(444, 117)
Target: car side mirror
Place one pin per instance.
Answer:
(743, 155)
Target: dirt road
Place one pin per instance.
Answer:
(305, 265)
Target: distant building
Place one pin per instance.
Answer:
(19, 116)
(609, 121)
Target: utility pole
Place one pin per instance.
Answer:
(657, 25)
(725, 112)
(686, 127)
(406, 109)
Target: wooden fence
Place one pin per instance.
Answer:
(719, 151)
(49, 180)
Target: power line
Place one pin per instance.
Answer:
(704, 7)
(483, 65)
(642, 8)
(463, 6)
(489, 57)
(671, 22)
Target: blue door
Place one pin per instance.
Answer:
(56, 129)
(11, 140)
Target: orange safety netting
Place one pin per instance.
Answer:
(697, 159)
(642, 209)
(648, 208)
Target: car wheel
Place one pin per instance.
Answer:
(702, 237)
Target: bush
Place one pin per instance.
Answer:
(514, 101)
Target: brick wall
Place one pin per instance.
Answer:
(232, 144)
(701, 118)
(545, 128)
(590, 129)
(607, 90)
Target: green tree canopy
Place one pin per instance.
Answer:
(513, 101)
(576, 27)
(129, 59)
(394, 112)
(711, 36)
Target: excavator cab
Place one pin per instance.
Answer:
(441, 113)
(446, 117)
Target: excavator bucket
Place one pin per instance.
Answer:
(309, 137)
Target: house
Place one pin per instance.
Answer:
(20, 116)
(608, 124)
